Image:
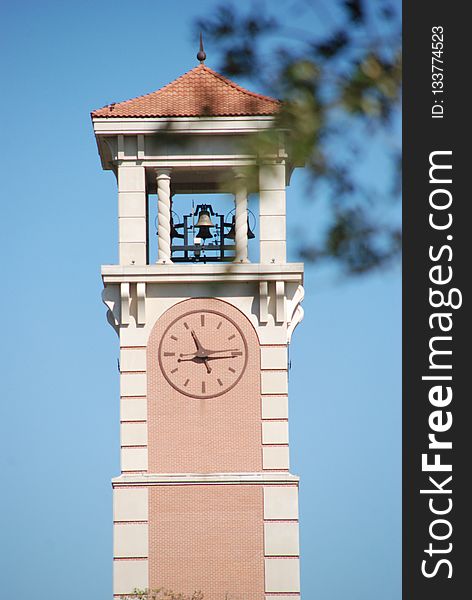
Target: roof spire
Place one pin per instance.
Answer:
(201, 53)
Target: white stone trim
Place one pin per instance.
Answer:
(274, 382)
(132, 229)
(134, 434)
(275, 432)
(134, 459)
(133, 359)
(275, 407)
(264, 301)
(141, 302)
(210, 478)
(130, 204)
(281, 539)
(133, 384)
(292, 596)
(273, 251)
(130, 504)
(281, 502)
(125, 302)
(272, 228)
(131, 178)
(183, 273)
(273, 203)
(282, 575)
(149, 125)
(280, 301)
(275, 457)
(295, 312)
(272, 177)
(133, 409)
(129, 575)
(274, 357)
(111, 297)
(130, 540)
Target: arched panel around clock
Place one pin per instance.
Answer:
(204, 415)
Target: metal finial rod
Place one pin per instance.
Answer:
(201, 53)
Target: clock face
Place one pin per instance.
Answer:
(203, 354)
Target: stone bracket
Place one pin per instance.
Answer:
(296, 312)
(264, 301)
(280, 301)
(125, 303)
(119, 299)
(111, 299)
(141, 301)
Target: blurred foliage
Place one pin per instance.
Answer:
(339, 77)
(163, 594)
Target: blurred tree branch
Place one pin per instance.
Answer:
(163, 594)
(340, 82)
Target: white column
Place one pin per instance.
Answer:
(240, 199)
(132, 215)
(163, 216)
(272, 232)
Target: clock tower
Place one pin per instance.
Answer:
(205, 499)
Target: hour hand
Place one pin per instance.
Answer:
(196, 358)
(200, 349)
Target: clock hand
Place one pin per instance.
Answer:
(197, 358)
(200, 349)
(208, 352)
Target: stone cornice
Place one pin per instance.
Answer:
(226, 125)
(179, 273)
(206, 478)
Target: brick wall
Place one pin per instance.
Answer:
(209, 538)
(189, 435)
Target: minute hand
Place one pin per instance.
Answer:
(208, 352)
(220, 351)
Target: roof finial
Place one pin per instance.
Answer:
(201, 53)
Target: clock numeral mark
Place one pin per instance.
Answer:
(232, 370)
(175, 370)
(202, 320)
(169, 353)
(231, 336)
(186, 382)
(186, 325)
(219, 381)
(219, 324)
(237, 353)
(172, 337)
(203, 387)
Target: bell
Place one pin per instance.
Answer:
(204, 223)
(173, 231)
(250, 233)
(232, 232)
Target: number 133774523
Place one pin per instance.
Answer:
(437, 72)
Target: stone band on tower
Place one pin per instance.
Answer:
(205, 499)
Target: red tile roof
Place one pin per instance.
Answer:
(198, 92)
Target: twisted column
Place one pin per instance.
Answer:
(163, 216)
(240, 199)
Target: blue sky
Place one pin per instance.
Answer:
(59, 422)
